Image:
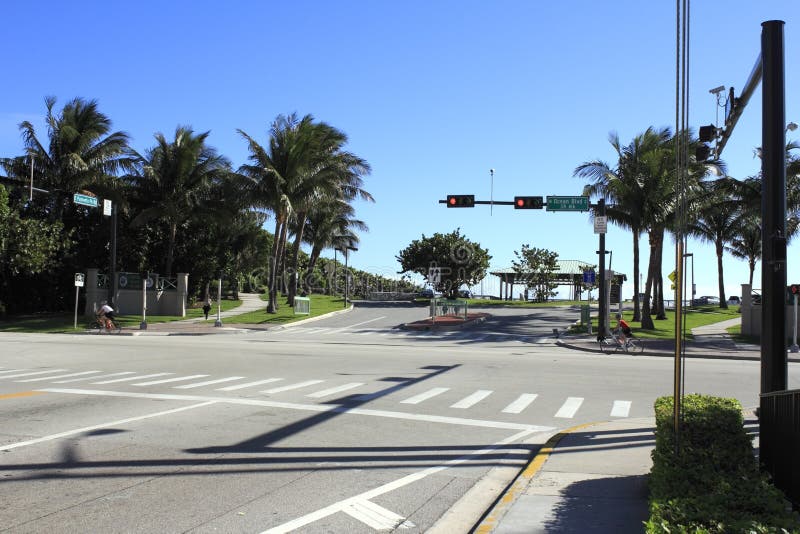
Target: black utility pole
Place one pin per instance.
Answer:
(112, 283)
(774, 367)
(602, 311)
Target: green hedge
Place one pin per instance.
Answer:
(712, 484)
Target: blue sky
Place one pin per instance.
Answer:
(432, 94)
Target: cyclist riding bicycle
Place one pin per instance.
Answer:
(106, 316)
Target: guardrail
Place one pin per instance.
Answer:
(779, 440)
(443, 307)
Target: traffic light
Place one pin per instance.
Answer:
(795, 288)
(528, 203)
(707, 133)
(460, 201)
(703, 152)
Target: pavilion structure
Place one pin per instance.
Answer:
(569, 273)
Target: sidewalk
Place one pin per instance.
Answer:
(591, 478)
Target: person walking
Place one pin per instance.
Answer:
(207, 307)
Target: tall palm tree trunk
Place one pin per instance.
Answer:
(647, 320)
(293, 265)
(173, 232)
(637, 310)
(723, 301)
(272, 304)
(312, 263)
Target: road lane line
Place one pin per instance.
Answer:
(250, 384)
(333, 391)
(59, 376)
(342, 329)
(12, 371)
(475, 398)
(20, 394)
(376, 516)
(168, 380)
(621, 408)
(388, 487)
(34, 373)
(131, 378)
(104, 425)
(291, 386)
(569, 408)
(92, 377)
(448, 420)
(209, 382)
(416, 399)
(521, 403)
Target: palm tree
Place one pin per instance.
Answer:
(80, 153)
(329, 226)
(303, 164)
(718, 221)
(746, 243)
(627, 187)
(173, 181)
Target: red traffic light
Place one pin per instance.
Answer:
(795, 289)
(528, 203)
(460, 201)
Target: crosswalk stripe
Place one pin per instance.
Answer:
(92, 377)
(473, 399)
(291, 386)
(621, 408)
(570, 407)
(34, 373)
(12, 371)
(521, 403)
(131, 378)
(168, 380)
(249, 384)
(335, 390)
(209, 382)
(374, 516)
(416, 399)
(59, 376)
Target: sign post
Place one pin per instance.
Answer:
(794, 347)
(79, 281)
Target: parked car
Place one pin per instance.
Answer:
(465, 293)
(733, 299)
(705, 299)
(427, 293)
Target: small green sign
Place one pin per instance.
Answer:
(567, 203)
(85, 200)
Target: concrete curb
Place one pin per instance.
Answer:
(312, 319)
(494, 515)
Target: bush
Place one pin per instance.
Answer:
(711, 483)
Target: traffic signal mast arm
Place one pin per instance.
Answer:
(738, 104)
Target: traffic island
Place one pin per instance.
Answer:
(447, 322)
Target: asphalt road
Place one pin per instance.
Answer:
(353, 427)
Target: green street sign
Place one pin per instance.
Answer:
(567, 203)
(84, 200)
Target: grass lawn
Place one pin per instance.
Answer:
(320, 305)
(693, 317)
(60, 323)
(665, 328)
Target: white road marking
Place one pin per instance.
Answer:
(59, 376)
(12, 371)
(338, 330)
(416, 399)
(333, 391)
(35, 373)
(168, 380)
(92, 377)
(473, 399)
(209, 382)
(621, 408)
(521, 403)
(131, 378)
(291, 386)
(386, 488)
(104, 425)
(250, 384)
(569, 408)
(309, 408)
(375, 516)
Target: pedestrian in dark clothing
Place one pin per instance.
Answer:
(206, 308)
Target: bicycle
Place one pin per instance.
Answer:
(619, 341)
(103, 327)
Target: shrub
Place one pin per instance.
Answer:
(711, 482)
